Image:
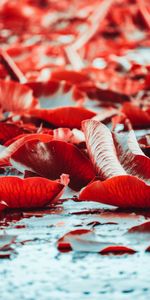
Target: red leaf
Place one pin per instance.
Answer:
(112, 162)
(6, 253)
(131, 157)
(138, 117)
(70, 117)
(142, 228)
(84, 240)
(15, 97)
(6, 152)
(52, 159)
(103, 95)
(101, 149)
(145, 11)
(123, 191)
(73, 77)
(9, 131)
(63, 244)
(43, 89)
(117, 250)
(148, 249)
(30, 192)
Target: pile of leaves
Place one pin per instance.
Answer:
(74, 103)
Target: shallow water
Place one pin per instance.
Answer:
(39, 271)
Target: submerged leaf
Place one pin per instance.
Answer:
(64, 245)
(84, 240)
(142, 228)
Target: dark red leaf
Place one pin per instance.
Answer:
(52, 159)
(103, 95)
(142, 228)
(138, 117)
(44, 88)
(148, 249)
(6, 152)
(9, 131)
(144, 143)
(118, 250)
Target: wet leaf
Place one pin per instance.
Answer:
(30, 192)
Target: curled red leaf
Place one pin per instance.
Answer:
(6, 152)
(113, 160)
(30, 192)
(101, 149)
(123, 191)
(131, 157)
